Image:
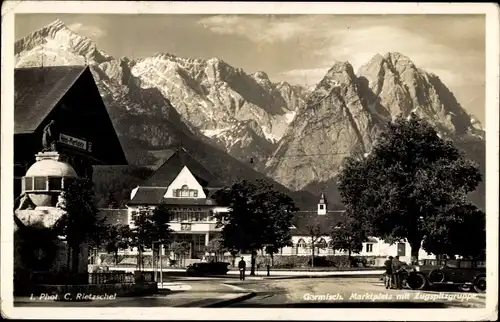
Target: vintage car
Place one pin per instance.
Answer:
(467, 275)
(210, 268)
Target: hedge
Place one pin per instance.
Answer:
(296, 261)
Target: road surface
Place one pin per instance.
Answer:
(204, 293)
(347, 293)
(331, 292)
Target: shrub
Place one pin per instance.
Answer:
(320, 261)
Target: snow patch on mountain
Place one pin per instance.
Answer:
(290, 116)
(270, 136)
(215, 132)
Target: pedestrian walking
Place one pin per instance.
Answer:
(242, 265)
(388, 272)
(396, 268)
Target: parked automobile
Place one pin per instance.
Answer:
(467, 275)
(211, 268)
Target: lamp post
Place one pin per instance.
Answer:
(268, 266)
(161, 264)
(160, 250)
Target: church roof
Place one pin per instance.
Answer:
(168, 171)
(303, 220)
(37, 92)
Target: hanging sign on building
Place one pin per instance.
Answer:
(74, 142)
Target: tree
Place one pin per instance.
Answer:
(180, 249)
(148, 226)
(315, 233)
(233, 253)
(271, 250)
(80, 224)
(117, 238)
(407, 182)
(447, 233)
(348, 236)
(258, 215)
(216, 247)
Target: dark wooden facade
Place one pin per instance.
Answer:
(68, 96)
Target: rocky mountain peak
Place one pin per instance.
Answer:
(339, 80)
(57, 24)
(56, 44)
(164, 56)
(398, 59)
(261, 75)
(340, 67)
(218, 63)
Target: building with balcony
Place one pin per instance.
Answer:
(186, 187)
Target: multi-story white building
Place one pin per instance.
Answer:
(186, 187)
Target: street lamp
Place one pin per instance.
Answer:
(160, 250)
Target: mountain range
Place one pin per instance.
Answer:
(293, 135)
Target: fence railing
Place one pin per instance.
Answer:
(46, 278)
(111, 278)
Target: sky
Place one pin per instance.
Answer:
(295, 48)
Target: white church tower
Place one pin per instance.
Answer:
(322, 205)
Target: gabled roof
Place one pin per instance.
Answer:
(148, 196)
(154, 196)
(38, 90)
(168, 171)
(303, 220)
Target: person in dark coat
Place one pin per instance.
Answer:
(388, 272)
(242, 265)
(396, 267)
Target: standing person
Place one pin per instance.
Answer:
(388, 272)
(242, 265)
(396, 267)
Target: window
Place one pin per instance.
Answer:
(321, 207)
(55, 183)
(369, 248)
(28, 184)
(401, 249)
(301, 243)
(66, 182)
(321, 243)
(184, 192)
(40, 183)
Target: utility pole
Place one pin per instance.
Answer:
(153, 268)
(161, 265)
